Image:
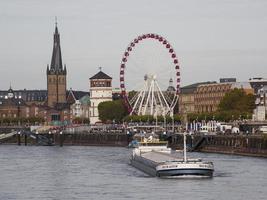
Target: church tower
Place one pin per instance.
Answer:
(56, 75)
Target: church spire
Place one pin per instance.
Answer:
(56, 61)
(56, 75)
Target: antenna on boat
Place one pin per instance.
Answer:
(156, 113)
(164, 123)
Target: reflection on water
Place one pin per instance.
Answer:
(104, 173)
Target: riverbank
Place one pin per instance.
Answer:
(229, 152)
(225, 144)
(78, 139)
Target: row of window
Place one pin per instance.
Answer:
(11, 115)
(54, 80)
(100, 84)
(209, 95)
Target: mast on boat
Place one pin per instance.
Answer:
(185, 158)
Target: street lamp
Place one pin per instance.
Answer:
(37, 139)
(19, 112)
(19, 137)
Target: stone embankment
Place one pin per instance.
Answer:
(251, 145)
(77, 138)
(96, 139)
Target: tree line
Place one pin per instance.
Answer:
(235, 105)
(7, 121)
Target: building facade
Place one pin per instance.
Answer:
(14, 107)
(79, 104)
(187, 97)
(100, 91)
(208, 96)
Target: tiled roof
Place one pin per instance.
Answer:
(28, 95)
(192, 88)
(11, 102)
(79, 94)
(100, 75)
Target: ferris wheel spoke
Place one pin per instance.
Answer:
(161, 104)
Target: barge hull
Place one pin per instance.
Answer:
(151, 171)
(185, 172)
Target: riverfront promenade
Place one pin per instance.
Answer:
(250, 145)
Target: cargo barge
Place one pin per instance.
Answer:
(160, 162)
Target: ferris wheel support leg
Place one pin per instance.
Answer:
(144, 111)
(136, 103)
(134, 98)
(141, 102)
(167, 105)
(174, 102)
(161, 104)
(143, 97)
(152, 98)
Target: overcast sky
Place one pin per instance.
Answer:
(212, 38)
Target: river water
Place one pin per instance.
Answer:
(75, 172)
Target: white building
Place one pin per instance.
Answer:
(100, 91)
(79, 104)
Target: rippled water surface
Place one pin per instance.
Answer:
(74, 172)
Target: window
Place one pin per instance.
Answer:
(55, 117)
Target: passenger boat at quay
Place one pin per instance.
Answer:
(158, 160)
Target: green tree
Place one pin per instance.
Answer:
(112, 110)
(237, 100)
(236, 105)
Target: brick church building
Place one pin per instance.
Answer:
(53, 104)
(57, 105)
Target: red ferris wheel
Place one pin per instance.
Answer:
(151, 98)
